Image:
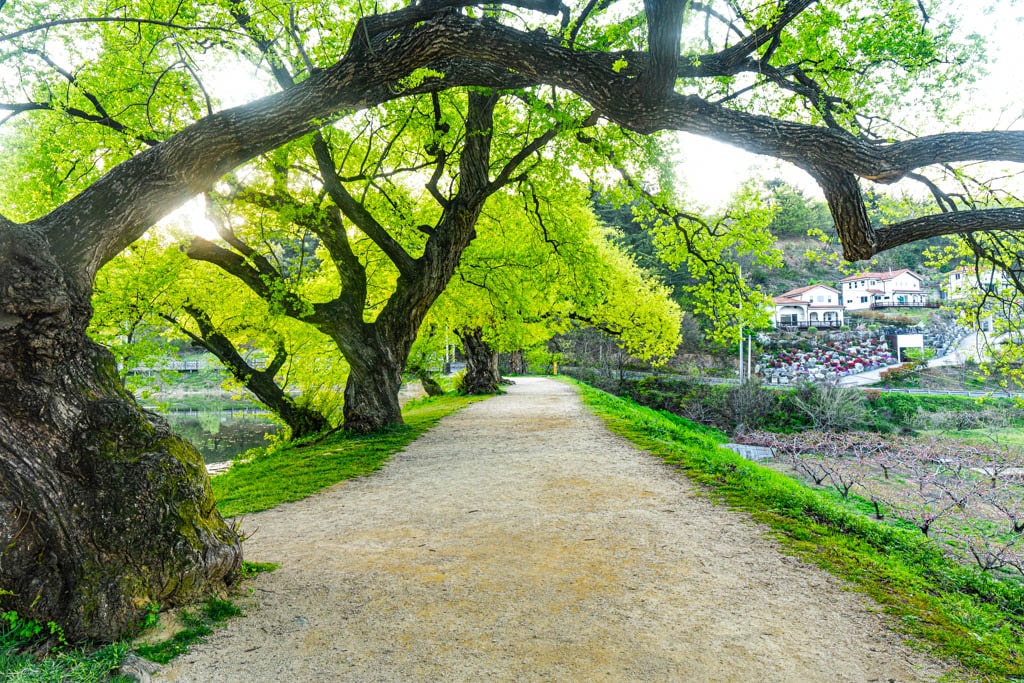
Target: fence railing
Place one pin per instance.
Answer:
(804, 324)
(905, 304)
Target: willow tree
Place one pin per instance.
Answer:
(102, 509)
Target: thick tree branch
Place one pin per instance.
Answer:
(842, 192)
(263, 280)
(117, 209)
(664, 17)
(357, 212)
(261, 383)
(114, 211)
(326, 223)
(224, 230)
(960, 222)
(504, 176)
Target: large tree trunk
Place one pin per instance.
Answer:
(375, 376)
(482, 376)
(103, 510)
(517, 363)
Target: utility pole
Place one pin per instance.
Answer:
(750, 356)
(741, 353)
(739, 309)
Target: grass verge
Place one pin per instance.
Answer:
(965, 615)
(18, 665)
(293, 471)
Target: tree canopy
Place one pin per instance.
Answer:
(122, 112)
(818, 84)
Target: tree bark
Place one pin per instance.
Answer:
(517, 363)
(482, 376)
(375, 377)
(103, 510)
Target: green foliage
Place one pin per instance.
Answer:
(902, 409)
(794, 214)
(541, 264)
(967, 615)
(140, 314)
(251, 569)
(290, 472)
(722, 406)
(710, 249)
(20, 639)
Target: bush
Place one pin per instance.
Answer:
(831, 407)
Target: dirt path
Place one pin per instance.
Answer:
(519, 540)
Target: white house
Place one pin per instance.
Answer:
(811, 306)
(883, 290)
(965, 282)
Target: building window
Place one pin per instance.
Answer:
(863, 299)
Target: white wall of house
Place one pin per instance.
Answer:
(817, 304)
(901, 287)
(965, 282)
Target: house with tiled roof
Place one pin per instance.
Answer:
(883, 290)
(810, 306)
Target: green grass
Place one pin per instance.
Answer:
(1003, 437)
(197, 626)
(290, 472)
(962, 614)
(20, 638)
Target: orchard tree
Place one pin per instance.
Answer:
(102, 509)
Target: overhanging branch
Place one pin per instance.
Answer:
(954, 223)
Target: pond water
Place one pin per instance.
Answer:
(220, 435)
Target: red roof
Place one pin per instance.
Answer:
(801, 290)
(881, 276)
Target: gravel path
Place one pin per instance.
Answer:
(520, 541)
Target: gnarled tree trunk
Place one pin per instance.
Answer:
(102, 509)
(371, 392)
(482, 376)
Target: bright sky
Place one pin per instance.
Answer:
(712, 170)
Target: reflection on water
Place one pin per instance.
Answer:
(222, 434)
